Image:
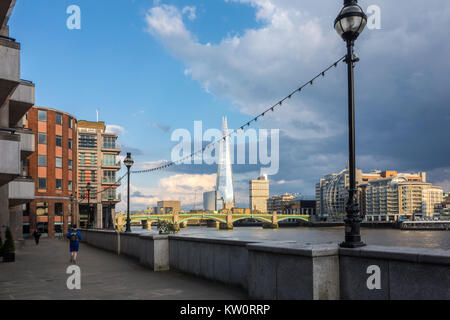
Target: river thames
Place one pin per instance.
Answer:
(305, 235)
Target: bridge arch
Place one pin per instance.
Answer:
(304, 219)
(261, 219)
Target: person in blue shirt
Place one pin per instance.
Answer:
(74, 236)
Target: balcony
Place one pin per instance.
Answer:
(21, 191)
(9, 67)
(27, 142)
(21, 101)
(116, 198)
(111, 147)
(9, 156)
(110, 181)
(110, 165)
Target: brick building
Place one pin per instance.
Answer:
(54, 170)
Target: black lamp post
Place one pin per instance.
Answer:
(88, 187)
(71, 211)
(109, 220)
(128, 161)
(349, 24)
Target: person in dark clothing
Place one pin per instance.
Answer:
(74, 236)
(37, 236)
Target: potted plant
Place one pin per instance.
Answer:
(9, 249)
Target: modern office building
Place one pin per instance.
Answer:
(16, 143)
(332, 190)
(224, 183)
(259, 194)
(209, 201)
(53, 168)
(167, 207)
(97, 165)
(278, 203)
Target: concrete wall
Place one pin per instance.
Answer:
(404, 273)
(288, 270)
(221, 260)
(151, 250)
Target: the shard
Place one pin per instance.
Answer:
(224, 184)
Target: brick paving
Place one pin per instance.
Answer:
(40, 273)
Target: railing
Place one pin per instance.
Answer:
(117, 164)
(110, 180)
(10, 130)
(114, 146)
(7, 38)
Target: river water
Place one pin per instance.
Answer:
(305, 235)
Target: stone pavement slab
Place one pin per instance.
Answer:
(40, 273)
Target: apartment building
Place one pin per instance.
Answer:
(401, 195)
(53, 168)
(16, 142)
(97, 178)
(259, 193)
(332, 190)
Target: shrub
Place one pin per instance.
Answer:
(167, 227)
(8, 246)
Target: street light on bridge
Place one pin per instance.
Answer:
(128, 162)
(349, 24)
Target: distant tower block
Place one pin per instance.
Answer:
(224, 185)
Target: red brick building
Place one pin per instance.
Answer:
(54, 168)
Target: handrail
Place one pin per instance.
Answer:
(10, 130)
(7, 38)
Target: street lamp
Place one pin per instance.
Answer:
(349, 24)
(109, 221)
(128, 162)
(71, 211)
(88, 188)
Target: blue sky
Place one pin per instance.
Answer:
(151, 67)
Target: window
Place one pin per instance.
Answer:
(70, 164)
(42, 161)
(58, 141)
(82, 159)
(93, 176)
(109, 176)
(58, 184)
(42, 115)
(70, 144)
(42, 183)
(70, 123)
(58, 209)
(58, 162)
(87, 141)
(69, 186)
(42, 209)
(42, 138)
(109, 142)
(59, 118)
(109, 159)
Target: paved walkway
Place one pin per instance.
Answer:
(40, 273)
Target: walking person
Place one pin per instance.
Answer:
(74, 236)
(37, 236)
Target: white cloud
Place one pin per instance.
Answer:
(190, 11)
(114, 128)
(187, 188)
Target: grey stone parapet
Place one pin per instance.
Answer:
(289, 270)
(402, 273)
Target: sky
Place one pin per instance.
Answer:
(152, 67)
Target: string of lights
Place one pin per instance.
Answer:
(247, 124)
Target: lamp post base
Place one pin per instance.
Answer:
(352, 245)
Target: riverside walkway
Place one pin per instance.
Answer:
(40, 273)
